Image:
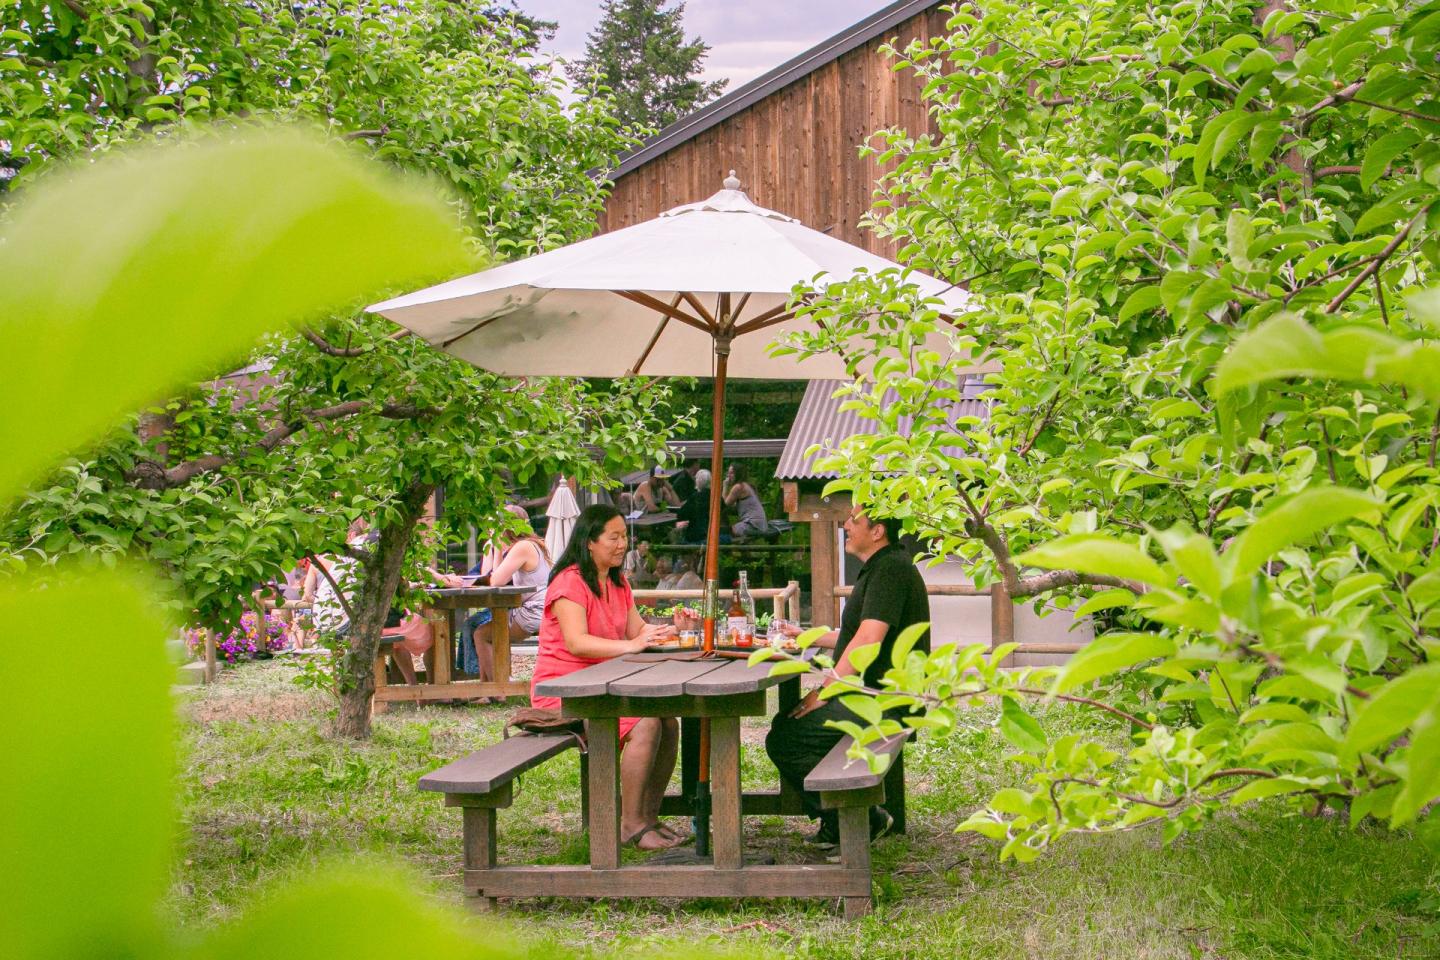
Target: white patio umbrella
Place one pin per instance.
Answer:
(675, 296)
(680, 295)
(562, 512)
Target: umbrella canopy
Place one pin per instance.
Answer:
(562, 512)
(650, 298)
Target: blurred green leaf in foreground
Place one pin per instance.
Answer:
(118, 280)
(124, 277)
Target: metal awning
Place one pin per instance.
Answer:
(821, 421)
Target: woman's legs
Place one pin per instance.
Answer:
(405, 663)
(662, 768)
(645, 768)
(484, 653)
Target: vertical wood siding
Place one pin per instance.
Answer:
(796, 151)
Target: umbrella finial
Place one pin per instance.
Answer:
(731, 182)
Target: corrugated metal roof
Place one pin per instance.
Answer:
(821, 421)
(734, 449)
(692, 125)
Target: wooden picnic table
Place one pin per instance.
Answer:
(439, 684)
(659, 518)
(719, 691)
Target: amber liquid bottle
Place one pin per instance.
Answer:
(736, 623)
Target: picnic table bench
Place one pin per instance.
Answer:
(713, 690)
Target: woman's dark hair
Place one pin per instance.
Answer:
(588, 529)
(740, 472)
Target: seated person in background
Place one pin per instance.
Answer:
(742, 496)
(540, 503)
(335, 586)
(683, 483)
(590, 617)
(663, 570)
(411, 638)
(336, 579)
(693, 517)
(637, 565)
(685, 577)
(522, 560)
(655, 493)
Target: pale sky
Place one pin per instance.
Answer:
(746, 37)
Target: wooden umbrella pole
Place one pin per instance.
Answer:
(717, 482)
(712, 576)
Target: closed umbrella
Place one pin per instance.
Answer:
(562, 512)
(685, 294)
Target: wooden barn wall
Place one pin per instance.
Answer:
(796, 151)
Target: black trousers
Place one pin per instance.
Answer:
(795, 746)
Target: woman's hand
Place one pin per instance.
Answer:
(650, 634)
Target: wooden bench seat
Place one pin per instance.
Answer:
(484, 781)
(849, 787)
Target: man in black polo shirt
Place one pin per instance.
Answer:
(889, 596)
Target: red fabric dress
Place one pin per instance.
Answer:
(603, 618)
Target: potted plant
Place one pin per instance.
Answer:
(652, 615)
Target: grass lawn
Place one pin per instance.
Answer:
(265, 797)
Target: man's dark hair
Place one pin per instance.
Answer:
(893, 528)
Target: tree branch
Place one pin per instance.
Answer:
(77, 8)
(339, 594)
(1400, 110)
(326, 347)
(1101, 58)
(1378, 261)
(1087, 701)
(366, 134)
(1018, 586)
(1175, 801)
(1343, 95)
(1040, 426)
(1056, 579)
(149, 475)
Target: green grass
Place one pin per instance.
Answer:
(266, 798)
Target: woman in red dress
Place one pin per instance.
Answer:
(590, 617)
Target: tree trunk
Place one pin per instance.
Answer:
(378, 577)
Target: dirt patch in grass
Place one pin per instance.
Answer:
(262, 706)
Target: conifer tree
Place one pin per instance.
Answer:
(639, 52)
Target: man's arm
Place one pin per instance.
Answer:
(870, 632)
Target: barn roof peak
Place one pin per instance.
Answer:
(827, 51)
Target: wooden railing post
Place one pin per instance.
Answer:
(1002, 615)
(211, 667)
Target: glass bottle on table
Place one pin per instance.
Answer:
(747, 603)
(735, 625)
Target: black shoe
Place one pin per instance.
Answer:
(827, 837)
(881, 823)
